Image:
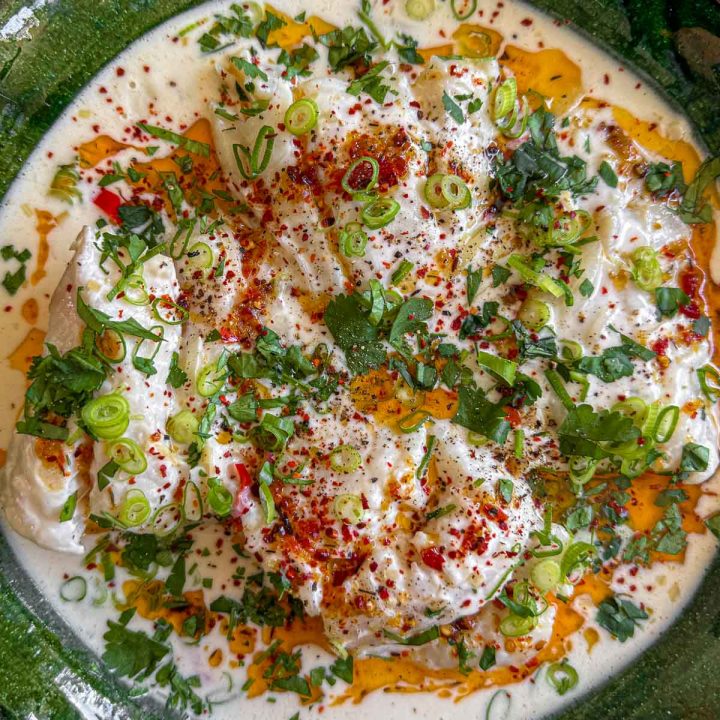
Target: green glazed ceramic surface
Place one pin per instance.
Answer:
(45, 672)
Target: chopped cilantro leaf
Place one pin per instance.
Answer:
(620, 617)
(476, 413)
(453, 109)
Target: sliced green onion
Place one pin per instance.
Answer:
(557, 384)
(166, 519)
(646, 270)
(420, 9)
(634, 407)
(519, 443)
(505, 97)
(73, 589)
(192, 504)
(582, 380)
(539, 279)
(534, 314)
(136, 350)
(302, 116)
(250, 164)
(371, 183)
(111, 346)
(447, 191)
(402, 271)
(666, 423)
(709, 379)
(500, 368)
(571, 350)
(128, 456)
(273, 432)
(380, 212)
(512, 127)
(433, 191)
(107, 416)
(546, 575)
(134, 290)
(576, 558)
(477, 439)
(268, 503)
(516, 626)
(64, 184)
(201, 256)
(581, 469)
(562, 676)
(135, 509)
(219, 498)
(456, 192)
(183, 427)
(567, 228)
(169, 312)
(412, 422)
(211, 379)
(353, 240)
(463, 9)
(425, 460)
(348, 508)
(345, 458)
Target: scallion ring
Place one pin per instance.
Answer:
(353, 240)
(534, 314)
(301, 117)
(380, 212)
(192, 505)
(169, 312)
(419, 9)
(345, 459)
(348, 508)
(709, 379)
(107, 416)
(516, 626)
(567, 228)
(581, 469)
(160, 330)
(575, 559)
(166, 519)
(256, 165)
(134, 290)
(135, 509)
(128, 456)
(183, 427)
(500, 368)
(571, 350)
(463, 9)
(412, 422)
(666, 423)
(211, 379)
(515, 128)
(546, 575)
(562, 676)
(447, 191)
(361, 167)
(201, 256)
(111, 346)
(73, 589)
(646, 270)
(505, 97)
(634, 407)
(456, 192)
(219, 498)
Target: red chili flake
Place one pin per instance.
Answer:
(660, 346)
(433, 558)
(691, 310)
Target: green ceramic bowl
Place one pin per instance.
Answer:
(45, 672)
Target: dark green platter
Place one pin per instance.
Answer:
(45, 672)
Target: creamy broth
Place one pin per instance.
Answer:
(164, 79)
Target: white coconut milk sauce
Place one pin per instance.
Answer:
(170, 73)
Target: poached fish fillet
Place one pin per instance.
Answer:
(375, 363)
